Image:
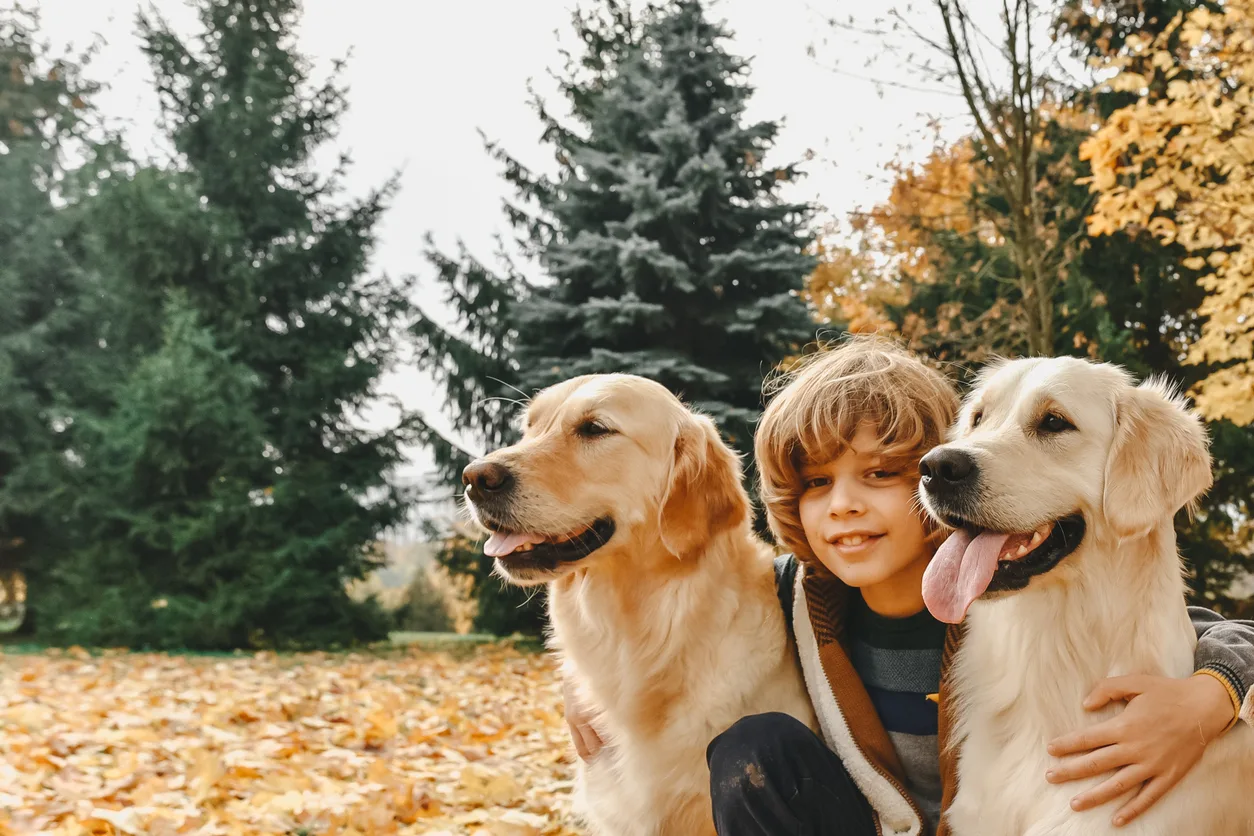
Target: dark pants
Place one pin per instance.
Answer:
(772, 776)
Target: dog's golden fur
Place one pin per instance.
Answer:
(1113, 606)
(672, 630)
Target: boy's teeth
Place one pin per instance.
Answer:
(855, 540)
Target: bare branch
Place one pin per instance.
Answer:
(888, 83)
(848, 27)
(909, 27)
(988, 101)
(979, 113)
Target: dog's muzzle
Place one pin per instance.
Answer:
(487, 483)
(951, 478)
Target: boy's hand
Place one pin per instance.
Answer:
(587, 742)
(1153, 744)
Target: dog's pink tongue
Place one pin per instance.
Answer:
(959, 573)
(499, 545)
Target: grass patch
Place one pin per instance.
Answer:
(458, 644)
(463, 643)
(424, 640)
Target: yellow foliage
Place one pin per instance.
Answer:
(1190, 154)
(854, 283)
(848, 287)
(895, 248)
(931, 197)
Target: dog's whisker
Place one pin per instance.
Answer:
(526, 399)
(499, 399)
(530, 596)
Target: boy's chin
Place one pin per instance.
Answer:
(860, 577)
(874, 570)
(856, 573)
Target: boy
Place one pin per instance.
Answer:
(838, 450)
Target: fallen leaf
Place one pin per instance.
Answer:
(393, 744)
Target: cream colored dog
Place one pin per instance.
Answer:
(662, 601)
(1062, 479)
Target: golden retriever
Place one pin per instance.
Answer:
(662, 601)
(1062, 479)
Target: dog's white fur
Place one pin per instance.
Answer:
(671, 631)
(1115, 606)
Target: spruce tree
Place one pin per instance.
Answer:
(266, 265)
(666, 248)
(44, 107)
(671, 254)
(165, 498)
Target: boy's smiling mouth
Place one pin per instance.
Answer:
(855, 539)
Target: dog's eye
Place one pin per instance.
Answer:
(1054, 423)
(593, 429)
(977, 418)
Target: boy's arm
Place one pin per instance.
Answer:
(579, 720)
(1154, 743)
(1227, 649)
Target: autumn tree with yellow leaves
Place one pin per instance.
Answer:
(893, 246)
(1012, 115)
(988, 212)
(1181, 165)
(935, 264)
(938, 261)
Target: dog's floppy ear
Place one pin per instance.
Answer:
(1159, 461)
(704, 495)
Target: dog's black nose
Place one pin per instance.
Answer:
(946, 467)
(486, 479)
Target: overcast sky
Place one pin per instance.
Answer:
(425, 77)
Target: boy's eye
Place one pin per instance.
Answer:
(884, 474)
(814, 482)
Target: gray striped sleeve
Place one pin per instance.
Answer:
(1226, 645)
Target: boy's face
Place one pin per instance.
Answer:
(860, 515)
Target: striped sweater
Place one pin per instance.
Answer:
(819, 607)
(899, 662)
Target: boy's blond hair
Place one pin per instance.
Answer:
(818, 406)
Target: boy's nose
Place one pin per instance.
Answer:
(844, 502)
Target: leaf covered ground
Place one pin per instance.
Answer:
(397, 743)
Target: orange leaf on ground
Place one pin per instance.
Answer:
(376, 745)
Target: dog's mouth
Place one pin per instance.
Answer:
(516, 550)
(975, 561)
